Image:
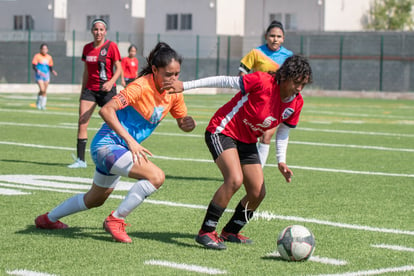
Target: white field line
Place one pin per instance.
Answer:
(39, 182)
(187, 267)
(406, 268)
(393, 247)
(74, 126)
(202, 122)
(24, 272)
(316, 259)
(210, 161)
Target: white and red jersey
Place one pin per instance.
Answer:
(255, 109)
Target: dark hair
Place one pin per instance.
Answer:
(275, 24)
(160, 56)
(132, 46)
(295, 67)
(99, 20)
(43, 44)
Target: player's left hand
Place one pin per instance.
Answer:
(286, 172)
(186, 123)
(173, 87)
(107, 86)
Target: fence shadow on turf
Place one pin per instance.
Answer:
(71, 232)
(35, 162)
(96, 233)
(177, 238)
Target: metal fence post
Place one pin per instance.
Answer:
(341, 44)
(228, 55)
(197, 55)
(218, 56)
(73, 57)
(381, 62)
(29, 54)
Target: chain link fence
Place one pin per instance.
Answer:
(357, 61)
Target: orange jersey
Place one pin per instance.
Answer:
(142, 108)
(43, 62)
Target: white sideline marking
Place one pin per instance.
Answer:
(356, 132)
(317, 259)
(12, 192)
(38, 182)
(210, 161)
(269, 216)
(24, 272)
(187, 267)
(393, 247)
(374, 271)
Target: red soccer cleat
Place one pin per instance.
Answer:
(116, 227)
(236, 238)
(43, 222)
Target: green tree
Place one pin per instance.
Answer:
(391, 15)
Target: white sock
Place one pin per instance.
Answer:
(136, 195)
(263, 150)
(68, 207)
(43, 102)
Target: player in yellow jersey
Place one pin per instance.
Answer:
(266, 58)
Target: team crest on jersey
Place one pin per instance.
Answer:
(103, 52)
(287, 113)
(267, 122)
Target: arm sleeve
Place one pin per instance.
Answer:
(219, 82)
(282, 139)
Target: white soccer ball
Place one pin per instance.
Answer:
(296, 243)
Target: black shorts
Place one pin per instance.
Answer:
(128, 81)
(99, 97)
(217, 143)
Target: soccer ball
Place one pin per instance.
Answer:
(296, 243)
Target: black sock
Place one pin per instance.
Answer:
(239, 219)
(212, 217)
(81, 147)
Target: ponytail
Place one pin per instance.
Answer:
(160, 56)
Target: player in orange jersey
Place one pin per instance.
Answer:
(130, 117)
(42, 65)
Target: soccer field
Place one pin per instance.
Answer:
(353, 186)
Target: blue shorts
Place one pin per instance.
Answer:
(42, 77)
(105, 156)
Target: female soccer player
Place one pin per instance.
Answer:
(266, 58)
(98, 82)
(129, 66)
(42, 65)
(130, 117)
(265, 101)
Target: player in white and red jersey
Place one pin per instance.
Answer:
(264, 102)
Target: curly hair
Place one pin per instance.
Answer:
(295, 67)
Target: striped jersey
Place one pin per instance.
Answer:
(255, 109)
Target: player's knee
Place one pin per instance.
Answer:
(234, 183)
(157, 179)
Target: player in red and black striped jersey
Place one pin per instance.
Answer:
(98, 82)
(265, 101)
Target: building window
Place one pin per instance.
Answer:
(290, 21)
(275, 16)
(91, 18)
(23, 22)
(29, 22)
(172, 22)
(186, 22)
(18, 22)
